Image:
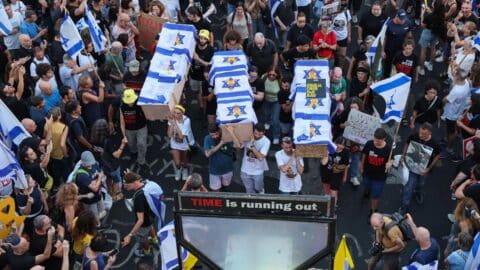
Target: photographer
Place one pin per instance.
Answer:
(194, 183)
(388, 244)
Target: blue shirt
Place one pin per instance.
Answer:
(457, 259)
(428, 255)
(30, 29)
(51, 101)
(39, 118)
(220, 162)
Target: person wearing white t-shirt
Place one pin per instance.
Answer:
(181, 138)
(254, 161)
(342, 26)
(12, 41)
(291, 168)
(39, 58)
(456, 102)
(18, 6)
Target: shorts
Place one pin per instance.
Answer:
(195, 85)
(336, 181)
(375, 187)
(342, 43)
(451, 126)
(427, 38)
(217, 181)
(143, 233)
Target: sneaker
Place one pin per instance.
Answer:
(276, 141)
(428, 65)
(184, 174)
(419, 197)
(140, 252)
(178, 174)
(451, 217)
(267, 126)
(421, 71)
(439, 59)
(355, 181)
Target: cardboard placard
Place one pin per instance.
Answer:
(149, 26)
(361, 127)
(316, 88)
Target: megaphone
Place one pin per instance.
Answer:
(129, 204)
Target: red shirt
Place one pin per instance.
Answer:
(330, 39)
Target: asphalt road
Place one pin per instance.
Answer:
(353, 210)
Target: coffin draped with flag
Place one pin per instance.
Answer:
(169, 67)
(168, 250)
(229, 78)
(312, 127)
(417, 266)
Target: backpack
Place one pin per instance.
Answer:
(402, 223)
(153, 194)
(76, 173)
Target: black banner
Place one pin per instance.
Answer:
(234, 203)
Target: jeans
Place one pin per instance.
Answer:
(137, 142)
(354, 164)
(414, 184)
(252, 183)
(271, 111)
(258, 26)
(115, 176)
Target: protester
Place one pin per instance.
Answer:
(291, 168)
(219, 154)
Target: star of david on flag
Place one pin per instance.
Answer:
(236, 111)
(231, 83)
(96, 33)
(179, 39)
(72, 43)
(314, 130)
(171, 66)
(313, 103)
(394, 91)
(311, 74)
(231, 60)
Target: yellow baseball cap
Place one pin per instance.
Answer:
(205, 34)
(129, 96)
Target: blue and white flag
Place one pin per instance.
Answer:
(227, 61)
(394, 91)
(473, 260)
(96, 33)
(81, 24)
(5, 25)
(168, 250)
(179, 37)
(273, 8)
(309, 69)
(169, 63)
(476, 42)
(10, 128)
(232, 82)
(10, 169)
(157, 89)
(72, 43)
(154, 193)
(374, 57)
(313, 129)
(237, 110)
(417, 266)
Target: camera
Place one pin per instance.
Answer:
(376, 248)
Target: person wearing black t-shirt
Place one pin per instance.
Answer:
(258, 89)
(301, 27)
(286, 121)
(373, 167)
(427, 109)
(195, 18)
(112, 151)
(262, 53)
(19, 258)
(406, 61)
(416, 180)
(303, 50)
(76, 9)
(471, 187)
(13, 97)
(144, 216)
(39, 239)
(371, 23)
(201, 59)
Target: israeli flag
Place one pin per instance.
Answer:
(5, 25)
(81, 24)
(394, 91)
(72, 43)
(96, 33)
(10, 169)
(237, 110)
(153, 194)
(227, 61)
(10, 128)
(417, 266)
(169, 63)
(157, 89)
(273, 8)
(313, 129)
(374, 57)
(309, 69)
(473, 260)
(168, 250)
(179, 37)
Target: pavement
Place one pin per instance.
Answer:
(352, 213)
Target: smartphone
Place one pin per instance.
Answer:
(114, 252)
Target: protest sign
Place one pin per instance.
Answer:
(361, 126)
(149, 26)
(417, 157)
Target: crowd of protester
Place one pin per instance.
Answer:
(83, 116)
